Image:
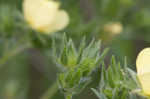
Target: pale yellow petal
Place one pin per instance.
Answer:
(143, 62)
(145, 82)
(44, 15)
(40, 13)
(60, 22)
(29, 6)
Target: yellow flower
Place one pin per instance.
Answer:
(114, 28)
(143, 70)
(45, 15)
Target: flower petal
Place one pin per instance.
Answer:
(39, 13)
(60, 22)
(143, 62)
(145, 82)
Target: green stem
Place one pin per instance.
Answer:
(12, 53)
(50, 92)
(68, 96)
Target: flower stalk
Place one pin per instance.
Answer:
(50, 92)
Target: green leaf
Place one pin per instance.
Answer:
(134, 77)
(64, 56)
(100, 95)
(81, 49)
(103, 77)
(102, 56)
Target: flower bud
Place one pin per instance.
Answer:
(114, 28)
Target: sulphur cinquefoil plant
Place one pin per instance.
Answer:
(118, 82)
(77, 65)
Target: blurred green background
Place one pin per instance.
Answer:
(122, 25)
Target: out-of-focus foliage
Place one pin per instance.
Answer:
(26, 67)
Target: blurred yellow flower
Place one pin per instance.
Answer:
(143, 69)
(45, 15)
(114, 27)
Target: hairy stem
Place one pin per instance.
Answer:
(50, 92)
